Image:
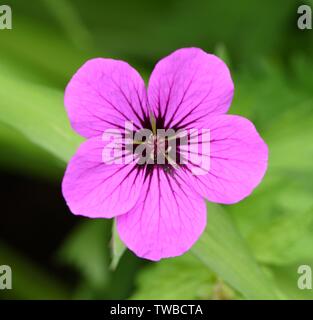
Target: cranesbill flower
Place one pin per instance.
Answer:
(159, 207)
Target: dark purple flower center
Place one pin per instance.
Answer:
(157, 146)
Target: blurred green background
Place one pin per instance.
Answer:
(250, 250)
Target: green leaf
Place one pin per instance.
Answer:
(264, 95)
(22, 156)
(67, 16)
(38, 113)
(184, 277)
(40, 48)
(272, 243)
(275, 197)
(286, 278)
(276, 220)
(290, 138)
(223, 251)
(29, 280)
(117, 247)
(86, 249)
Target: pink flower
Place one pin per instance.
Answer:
(160, 209)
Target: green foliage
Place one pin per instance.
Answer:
(249, 250)
(182, 278)
(286, 279)
(38, 113)
(275, 242)
(222, 249)
(117, 248)
(21, 155)
(29, 281)
(86, 249)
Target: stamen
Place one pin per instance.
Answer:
(153, 123)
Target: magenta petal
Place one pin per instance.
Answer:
(167, 220)
(188, 86)
(97, 190)
(103, 94)
(238, 160)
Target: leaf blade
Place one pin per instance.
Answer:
(223, 250)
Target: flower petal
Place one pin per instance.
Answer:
(95, 189)
(188, 86)
(103, 94)
(167, 220)
(238, 160)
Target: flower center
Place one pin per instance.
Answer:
(156, 147)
